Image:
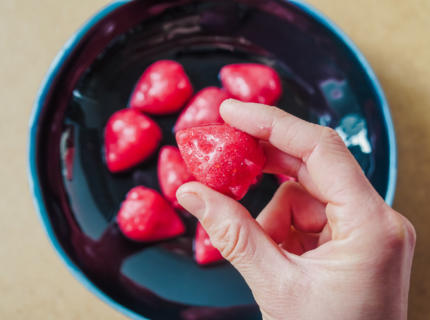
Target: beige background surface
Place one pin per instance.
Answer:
(34, 284)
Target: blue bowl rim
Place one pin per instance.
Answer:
(66, 51)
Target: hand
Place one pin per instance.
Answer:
(327, 247)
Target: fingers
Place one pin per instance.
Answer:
(327, 170)
(295, 220)
(334, 171)
(292, 205)
(297, 242)
(233, 231)
(280, 162)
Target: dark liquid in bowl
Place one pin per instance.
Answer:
(161, 280)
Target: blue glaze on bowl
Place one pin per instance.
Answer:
(59, 221)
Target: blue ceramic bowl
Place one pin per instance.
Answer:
(325, 80)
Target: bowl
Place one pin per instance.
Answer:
(325, 80)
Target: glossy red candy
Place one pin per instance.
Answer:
(163, 88)
(223, 158)
(202, 109)
(130, 137)
(204, 251)
(251, 82)
(146, 216)
(172, 173)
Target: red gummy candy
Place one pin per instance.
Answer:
(130, 138)
(204, 251)
(251, 82)
(163, 88)
(172, 173)
(223, 158)
(146, 216)
(202, 109)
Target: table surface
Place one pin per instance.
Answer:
(35, 284)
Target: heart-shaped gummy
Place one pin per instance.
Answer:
(251, 82)
(222, 157)
(202, 109)
(130, 138)
(163, 88)
(146, 216)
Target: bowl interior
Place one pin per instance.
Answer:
(323, 82)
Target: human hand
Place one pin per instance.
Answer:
(327, 247)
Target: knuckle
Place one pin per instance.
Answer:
(399, 231)
(330, 135)
(328, 142)
(282, 126)
(232, 241)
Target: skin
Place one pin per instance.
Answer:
(327, 247)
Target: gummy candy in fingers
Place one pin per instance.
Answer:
(222, 157)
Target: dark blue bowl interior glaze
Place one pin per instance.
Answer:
(323, 82)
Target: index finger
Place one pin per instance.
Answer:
(326, 160)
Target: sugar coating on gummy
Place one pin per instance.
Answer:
(146, 216)
(222, 157)
(203, 109)
(252, 82)
(163, 88)
(130, 138)
(172, 173)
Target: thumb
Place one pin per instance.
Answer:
(238, 237)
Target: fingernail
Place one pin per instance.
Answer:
(192, 202)
(228, 103)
